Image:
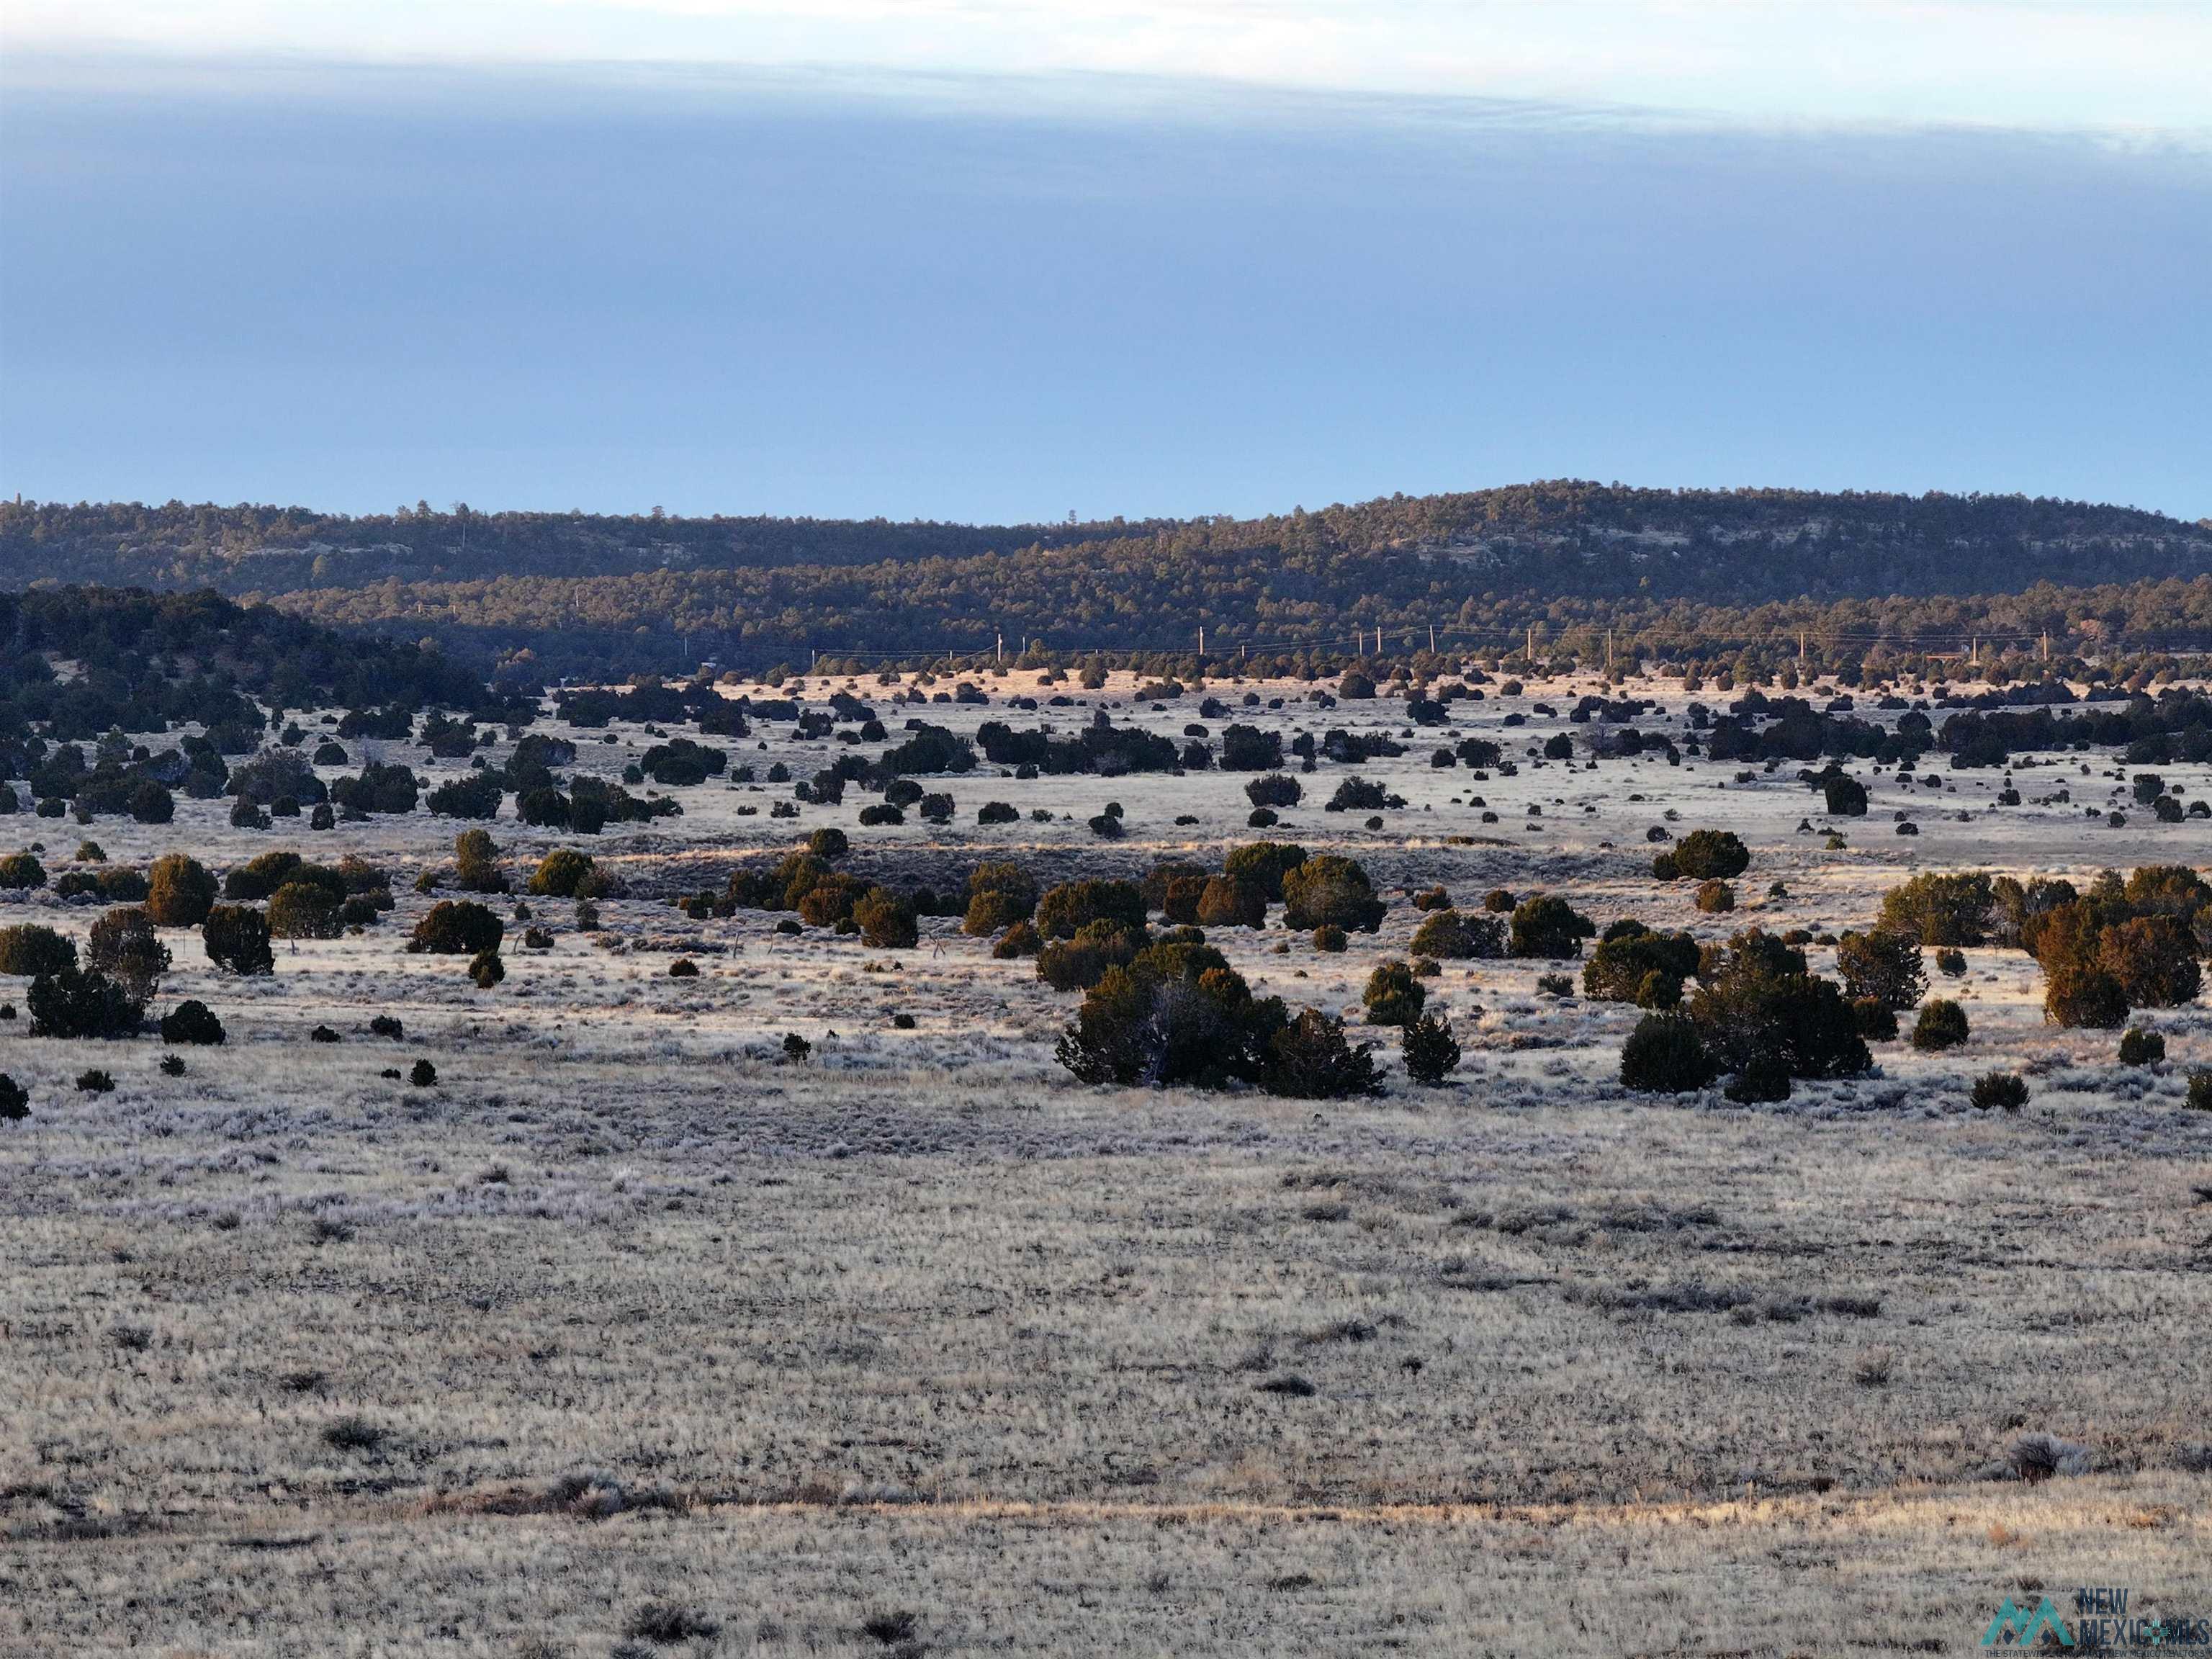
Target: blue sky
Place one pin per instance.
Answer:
(985, 260)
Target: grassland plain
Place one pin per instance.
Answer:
(630, 1336)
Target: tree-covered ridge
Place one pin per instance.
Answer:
(1291, 607)
(589, 593)
(1588, 533)
(250, 549)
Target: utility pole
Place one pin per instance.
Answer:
(1432, 639)
(1800, 648)
(1201, 641)
(2046, 645)
(1608, 650)
(1532, 644)
(1002, 648)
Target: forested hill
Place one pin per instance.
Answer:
(623, 591)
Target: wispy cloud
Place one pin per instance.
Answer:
(2117, 66)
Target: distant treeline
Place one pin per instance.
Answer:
(1672, 573)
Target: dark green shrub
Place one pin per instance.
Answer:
(379, 788)
(457, 927)
(1275, 790)
(2154, 960)
(299, 910)
(1846, 796)
(1078, 963)
(1716, 896)
(124, 945)
(180, 891)
(1394, 995)
(1635, 964)
(121, 884)
(1330, 891)
(832, 900)
(1548, 927)
(1950, 962)
(1019, 940)
(1330, 938)
(487, 969)
(1356, 794)
(1247, 748)
(1065, 910)
(1165, 875)
(422, 1074)
(1226, 901)
(70, 1004)
(1703, 856)
(476, 862)
(1758, 1003)
(564, 873)
(1263, 864)
(14, 1100)
(1179, 902)
(1450, 936)
(2007, 1090)
(991, 912)
(1940, 910)
(1763, 1080)
(2084, 999)
(31, 948)
(192, 1022)
(254, 881)
(95, 1080)
(1665, 1055)
(236, 939)
(1000, 893)
(2140, 1048)
(1883, 965)
(1877, 1020)
(1311, 1059)
(1429, 1049)
(886, 920)
(1941, 1024)
(1173, 1014)
(150, 802)
(2200, 1091)
(20, 871)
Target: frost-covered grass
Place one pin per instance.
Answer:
(625, 1313)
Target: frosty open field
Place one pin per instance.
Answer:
(638, 1331)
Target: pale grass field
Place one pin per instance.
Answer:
(626, 1313)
